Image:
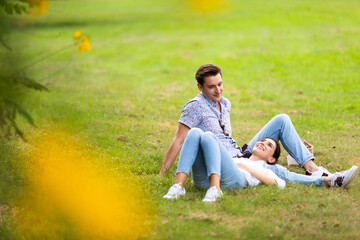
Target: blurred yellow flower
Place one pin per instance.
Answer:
(41, 6)
(86, 45)
(77, 35)
(81, 48)
(84, 191)
(207, 6)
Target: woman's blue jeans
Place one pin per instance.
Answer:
(205, 155)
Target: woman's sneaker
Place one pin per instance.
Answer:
(175, 192)
(343, 179)
(322, 172)
(211, 194)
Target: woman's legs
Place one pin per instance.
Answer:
(292, 177)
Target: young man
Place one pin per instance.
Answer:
(209, 111)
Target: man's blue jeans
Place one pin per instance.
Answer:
(281, 128)
(205, 154)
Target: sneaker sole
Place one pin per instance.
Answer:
(354, 170)
(209, 201)
(175, 197)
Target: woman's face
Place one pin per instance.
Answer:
(265, 149)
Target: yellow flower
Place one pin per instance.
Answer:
(87, 46)
(81, 48)
(41, 5)
(95, 199)
(77, 35)
(207, 6)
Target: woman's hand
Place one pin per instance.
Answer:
(261, 177)
(243, 166)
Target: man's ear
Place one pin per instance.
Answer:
(271, 160)
(200, 87)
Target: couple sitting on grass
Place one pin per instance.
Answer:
(207, 148)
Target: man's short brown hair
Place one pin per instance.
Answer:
(205, 71)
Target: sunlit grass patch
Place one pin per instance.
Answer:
(71, 192)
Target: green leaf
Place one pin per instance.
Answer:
(17, 9)
(17, 130)
(3, 43)
(8, 9)
(13, 7)
(20, 110)
(31, 83)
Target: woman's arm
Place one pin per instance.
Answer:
(261, 177)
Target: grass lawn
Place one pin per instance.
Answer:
(116, 109)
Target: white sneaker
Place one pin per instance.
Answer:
(322, 172)
(342, 179)
(211, 195)
(175, 192)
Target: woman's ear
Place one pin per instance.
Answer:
(271, 160)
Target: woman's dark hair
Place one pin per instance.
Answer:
(205, 71)
(276, 154)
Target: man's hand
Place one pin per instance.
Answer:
(174, 148)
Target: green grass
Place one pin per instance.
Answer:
(124, 98)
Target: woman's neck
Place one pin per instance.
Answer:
(256, 158)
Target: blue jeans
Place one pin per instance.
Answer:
(288, 176)
(205, 155)
(281, 128)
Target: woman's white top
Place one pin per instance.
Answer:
(259, 166)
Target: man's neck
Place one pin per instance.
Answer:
(218, 106)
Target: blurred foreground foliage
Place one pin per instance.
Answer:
(14, 82)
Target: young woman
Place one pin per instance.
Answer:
(213, 167)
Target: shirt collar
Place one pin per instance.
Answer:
(212, 103)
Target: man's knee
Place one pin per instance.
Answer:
(282, 118)
(195, 132)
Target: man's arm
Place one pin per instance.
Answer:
(174, 148)
(259, 176)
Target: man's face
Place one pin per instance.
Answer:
(212, 87)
